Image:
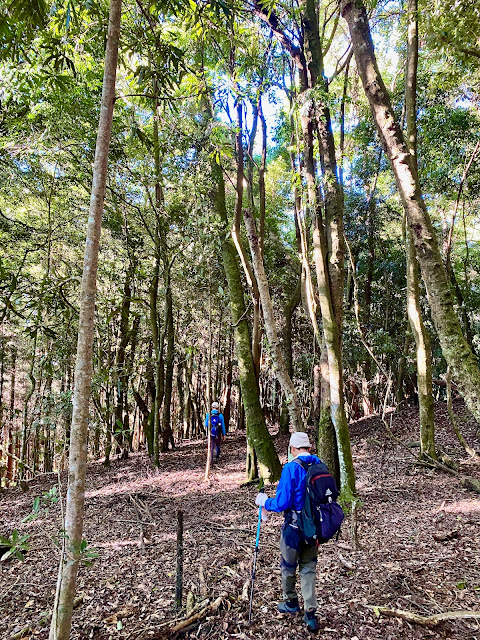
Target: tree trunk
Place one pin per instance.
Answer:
(326, 439)
(158, 366)
(455, 348)
(332, 342)
(74, 512)
(288, 313)
(120, 369)
(167, 434)
(187, 412)
(11, 418)
(279, 365)
(422, 341)
(227, 409)
(259, 437)
(399, 393)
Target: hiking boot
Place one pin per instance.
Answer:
(288, 606)
(311, 621)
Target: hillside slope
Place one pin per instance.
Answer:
(419, 531)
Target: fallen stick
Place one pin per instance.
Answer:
(426, 621)
(192, 619)
(211, 608)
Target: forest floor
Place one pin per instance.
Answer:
(419, 532)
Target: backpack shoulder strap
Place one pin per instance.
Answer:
(302, 463)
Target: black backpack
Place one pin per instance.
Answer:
(321, 516)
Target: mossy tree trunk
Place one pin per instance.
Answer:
(258, 436)
(290, 394)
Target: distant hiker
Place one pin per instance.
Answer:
(217, 429)
(294, 550)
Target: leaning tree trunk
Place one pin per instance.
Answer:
(455, 348)
(290, 394)
(74, 512)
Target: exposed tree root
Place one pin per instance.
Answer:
(426, 621)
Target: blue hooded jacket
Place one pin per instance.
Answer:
(291, 488)
(220, 419)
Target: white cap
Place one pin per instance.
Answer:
(214, 405)
(299, 440)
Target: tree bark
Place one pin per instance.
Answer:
(11, 417)
(258, 435)
(120, 369)
(455, 348)
(288, 312)
(326, 438)
(422, 341)
(334, 354)
(279, 365)
(167, 435)
(74, 512)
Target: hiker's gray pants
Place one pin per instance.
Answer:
(306, 558)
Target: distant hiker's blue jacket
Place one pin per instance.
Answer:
(291, 488)
(216, 413)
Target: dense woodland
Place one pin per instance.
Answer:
(289, 198)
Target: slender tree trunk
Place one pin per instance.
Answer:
(288, 313)
(326, 440)
(167, 434)
(120, 369)
(291, 397)
(258, 435)
(422, 341)
(187, 427)
(209, 379)
(334, 353)
(399, 393)
(158, 366)
(11, 417)
(455, 348)
(227, 409)
(74, 512)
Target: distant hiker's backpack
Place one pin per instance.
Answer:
(215, 426)
(321, 516)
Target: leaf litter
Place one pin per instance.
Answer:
(419, 532)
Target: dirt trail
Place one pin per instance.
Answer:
(419, 530)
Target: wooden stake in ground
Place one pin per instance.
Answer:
(74, 513)
(179, 577)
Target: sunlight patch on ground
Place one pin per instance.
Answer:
(463, 506)
(176, 481)
(117, 544)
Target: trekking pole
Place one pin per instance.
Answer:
(257, 541)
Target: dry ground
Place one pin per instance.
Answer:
(419, 531)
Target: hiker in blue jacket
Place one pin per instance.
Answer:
(294, 550)
(217, 429)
